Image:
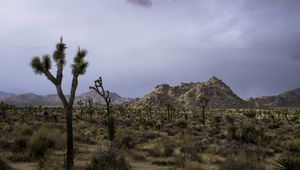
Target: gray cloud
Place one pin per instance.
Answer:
(144, 3)
(251, 45)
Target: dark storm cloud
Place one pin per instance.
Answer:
(252, 45)
(144, 3)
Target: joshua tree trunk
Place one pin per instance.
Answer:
(69, 159)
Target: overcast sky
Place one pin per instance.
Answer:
(252, 45)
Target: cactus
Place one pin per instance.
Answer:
(42, 66)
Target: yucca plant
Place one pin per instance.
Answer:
(288, 162)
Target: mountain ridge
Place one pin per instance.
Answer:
(182, 95)
(28, 99)
(220, 95)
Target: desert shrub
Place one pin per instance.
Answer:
(139, 156)
(287, 162)
(232, 130)
(126, 139)
(250, 114)
(230, 119)
(181, 123)
(168, 151)
(4, 165)
(26, 131)
(191, 151)
(4, 143)
(108, 160)
(292, 145)
(193, 166)
(249, 134)
(180, 161)
(44, 139)
(40, 145)
(170, 130)
(149, 135)
(155, 151)
(168, 146)
(163, 162)
(84, 139)
(20, 144)
(150, 123)
(240, 163)
(274, 124)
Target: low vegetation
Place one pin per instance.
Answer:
(130, 138)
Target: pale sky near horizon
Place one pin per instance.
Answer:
(253, 46)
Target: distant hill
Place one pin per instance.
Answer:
(286, 99)
(184, 95)
(29, 99)
(4, 95)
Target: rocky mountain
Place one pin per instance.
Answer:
(28, 99)
(287, 99)
(184, 95)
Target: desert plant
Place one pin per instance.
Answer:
(250, 113)
(39, 146)
(108, 160)
(182, 123)
(232, 131)
(287, 162)
(89, 107)
(81, 107)
(103, 93)
(20, 144)
(250, 134)
(42, 66)
(240, 163)
(111, 128)
(3, 108)
(4, 165)
(203, 103)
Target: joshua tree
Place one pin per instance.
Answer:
(42, 66)
(203, 103)
(89, 105)
(80, 104)
(3, 108)
(170, 111)
(103, 93)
